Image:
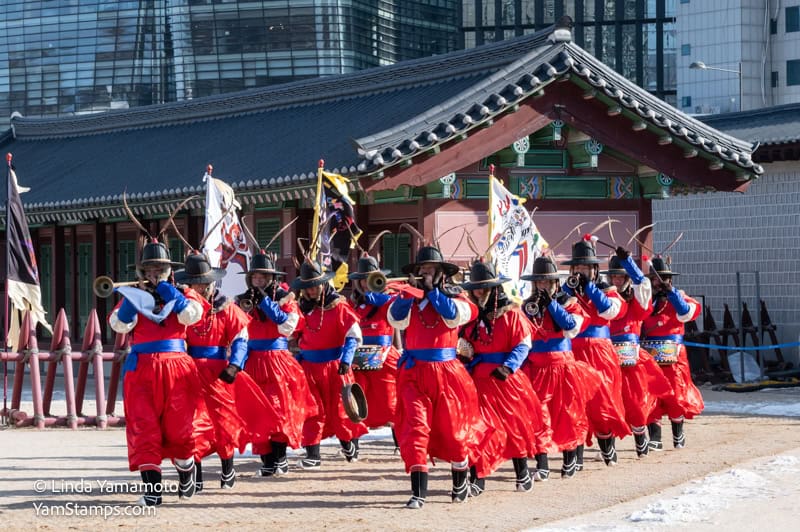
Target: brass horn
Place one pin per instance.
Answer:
(377, 281)
(104, 286)
(246, 305)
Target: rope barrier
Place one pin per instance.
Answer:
(742, 348)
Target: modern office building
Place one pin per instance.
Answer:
(634, 37)
(83, 56)
(738, 55)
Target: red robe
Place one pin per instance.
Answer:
(380, 386)
(280, 377)
(161, 394)
(437, 402)
(240, 412)
(511, 406)
(606, 409)
(643, 383)
(685, 400)
(322, 330)
(564, 385)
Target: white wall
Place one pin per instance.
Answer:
(729, 232)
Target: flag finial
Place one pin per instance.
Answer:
(322, 163)
(209, 169)
(8, 158)
(491, 169)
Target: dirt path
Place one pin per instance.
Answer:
(367, 495)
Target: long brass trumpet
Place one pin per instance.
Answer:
(104, 286)
(377, 281)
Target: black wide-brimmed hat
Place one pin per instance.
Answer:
(659, 265)
(544, 269)
(262, 263)
(431, 255)
(614, 267)
(197, 270)
(483, 275)
(311, 275)
(366, 266)
(582, 253)
(155, 252)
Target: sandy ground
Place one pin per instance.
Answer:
(49, 474)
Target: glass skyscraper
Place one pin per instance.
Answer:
(635, 37)
(70, 57)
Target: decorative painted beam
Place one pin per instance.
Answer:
(481, 143)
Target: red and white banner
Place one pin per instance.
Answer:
(226, 247)
(518, 241)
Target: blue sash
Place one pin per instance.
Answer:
(210, 351)
(274, 344)
(595, 331)
(625, 339)
(320, 355)
(488, 358)
(428, 355)
(555, 344)
(382, 340)
(147, 348)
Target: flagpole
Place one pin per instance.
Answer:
(6, 320)
(315, 225)
(491, 202)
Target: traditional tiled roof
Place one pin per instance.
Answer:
(768, 126)
(269, 140)
(521, 79)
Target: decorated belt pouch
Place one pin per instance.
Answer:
(627, 352)
(664, 352)
(370, 357)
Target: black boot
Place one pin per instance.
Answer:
(608, 450)
(419, 490)
(542, 472)
(476, 485)
(186, 478)
(579, 458)
(268, 463)
(281, 463)
(350, 450)
(228, 476)
(152, 488)
(312, 459)
(642, 442)
(570, 465)
(524, 480)
(460, 485)
(198, 476)
(655, 437)
(678, 437)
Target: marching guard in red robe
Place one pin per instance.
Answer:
(643, 383)
(161, 386)
(593, 345)
(563, 384)
(328, 337)
(437, 403)
(274, 316)
(501, 339)
(662, 333)
(375, 365)
(238, 408)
